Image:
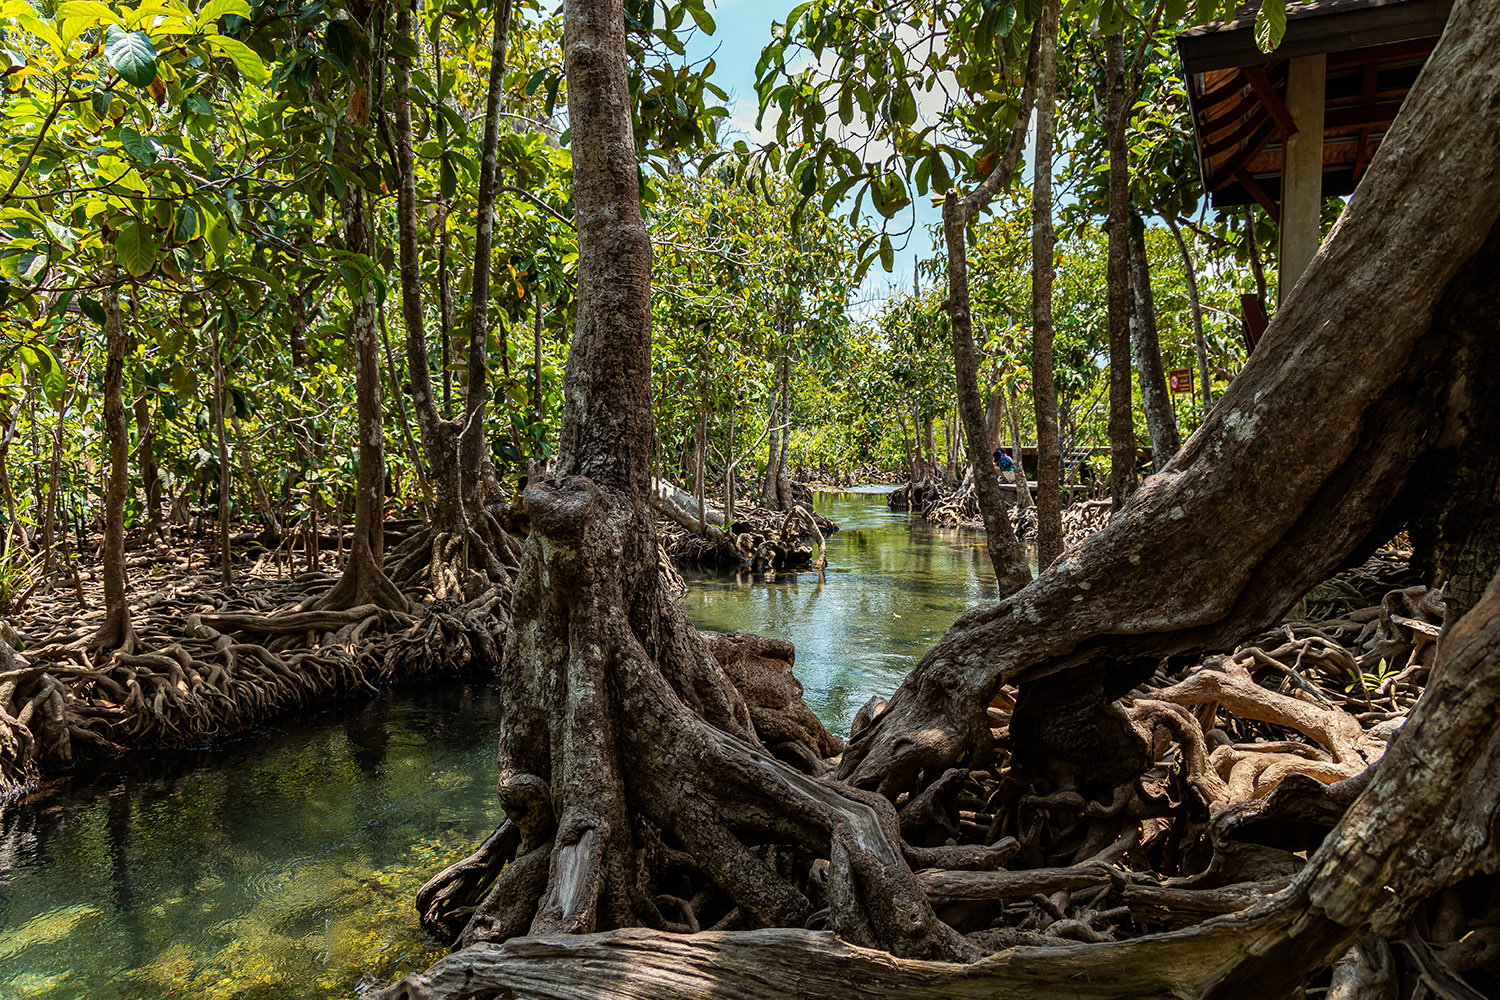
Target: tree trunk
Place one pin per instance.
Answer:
(1252, 245)
(270, 523)
(1157, 401)
(454, 546)
(116, 631)
(145, 459)
(1043, 268)
(1009, 562)
(472, 446)
(1121, 407)
(1200, 342)
(226, 557)
(783, 476)
(770, 488)
(363, 580)
(700, 458)
(536, 366)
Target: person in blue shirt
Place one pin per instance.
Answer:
(1003, 461)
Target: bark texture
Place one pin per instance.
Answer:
(1122, 478)
(116, 631)
(1043, 270)
(1157, 401)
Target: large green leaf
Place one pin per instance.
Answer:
(243, 56)
(1270, 24)
(135, 247)
(130, 54)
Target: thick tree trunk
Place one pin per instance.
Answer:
(1121, 407)
(1200, 342)
(364, 580)
(1156, 400)
(116, 631)
(1312, 463)
(1458, 529)
(1043, 269)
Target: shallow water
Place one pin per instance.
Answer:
(892, 588)
(283, 865)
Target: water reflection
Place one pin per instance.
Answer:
(892, 587)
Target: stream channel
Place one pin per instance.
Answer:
(282, 866)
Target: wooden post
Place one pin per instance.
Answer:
(1302, 174)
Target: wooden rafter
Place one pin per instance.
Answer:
(1270, 100)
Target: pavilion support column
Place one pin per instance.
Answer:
(1302, 176)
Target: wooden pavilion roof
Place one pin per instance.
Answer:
(1237, 94)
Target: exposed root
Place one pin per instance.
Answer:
(764, 540)
(192, 662)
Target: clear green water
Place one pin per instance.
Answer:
(892, 588)
(283, 866)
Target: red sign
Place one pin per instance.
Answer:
(1181, 379)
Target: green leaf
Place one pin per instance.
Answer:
(130, 54)
(135, 247)
(887, 253)
(242, 55)
(215, 9)
(87, 8)
(40, 362)
(187, 223)
(92, 309)
(138, 147)
(1270, 24)
(100, 100)
(904, 107)
(218, 238)
(702, 18)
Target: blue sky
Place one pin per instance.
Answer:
(744, 28)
